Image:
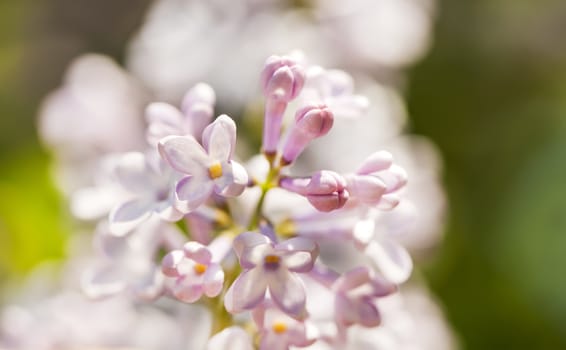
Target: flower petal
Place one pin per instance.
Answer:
(167, 211)
(184, 154)
(231, 338)
(251, 248)
(234, 183)
(247, 291)
(299, 254)
(103, 281)
(219, 138)
(164, 120)
(288, 293)
(93, 202)
(197, 252)
(170, 263)
(127, 216)
(213, 280)
(378, 161)
(392, 259)
(367, 188)
(132, 173)
(186, 290)
(192, 192)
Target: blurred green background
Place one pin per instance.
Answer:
(491, 94)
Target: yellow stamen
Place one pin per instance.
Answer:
(199, 269)
(271, 259)
(279, 327)
(215, 170)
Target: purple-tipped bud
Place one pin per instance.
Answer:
(282, 80)
(311, 122)
(325, 190)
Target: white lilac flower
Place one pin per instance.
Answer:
(356, 294)
(271, 266)
(383, 248)
(151, 186)
(95, 111)
(196, 112)
(196, 269)
(361, 258)
(209, 169)
(411, 320)
(96, 201)
(366, 36)
(335, 89)
(127, 264)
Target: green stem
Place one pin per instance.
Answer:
(269, 183)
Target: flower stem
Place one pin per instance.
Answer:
(269, 183)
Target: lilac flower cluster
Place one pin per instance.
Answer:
(188, 220)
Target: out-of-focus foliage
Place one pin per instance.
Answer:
(492, 94)
(37, 41)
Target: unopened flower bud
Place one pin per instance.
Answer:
(282, 80)
(311, 122)
(325, 190)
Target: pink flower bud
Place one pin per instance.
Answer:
(311, 122)
(327, 191)
(282, 80)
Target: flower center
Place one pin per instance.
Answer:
(199, 268)
(215, 170)
(279, 327)
(271, 262)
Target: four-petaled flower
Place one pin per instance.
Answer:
(209, 169)
(279, 331)
(270, 266)
(150, 183)
(356, 292)
(194, 272)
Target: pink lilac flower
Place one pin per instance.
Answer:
(196, 112)
(356, 294)
(278, 331)
(271, 266)
(209, 169)
(151, 186)
(195, 270)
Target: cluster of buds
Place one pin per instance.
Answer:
(186, 195)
